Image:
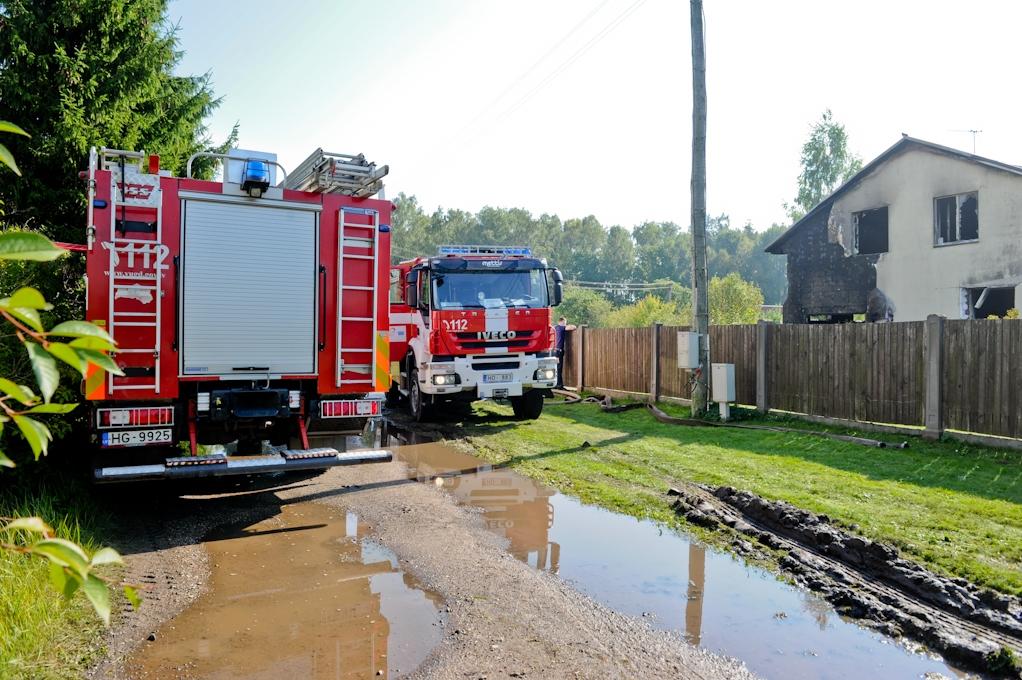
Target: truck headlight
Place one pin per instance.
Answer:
(448, 379)
(546, 374)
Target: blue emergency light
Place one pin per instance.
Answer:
(486, 250)
(255, 177)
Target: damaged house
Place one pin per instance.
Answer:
(922, 229)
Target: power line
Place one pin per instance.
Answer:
(574, 57)
(636, 284)
(525, 74)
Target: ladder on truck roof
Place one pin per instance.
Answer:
(134, 297)
(361, 245)
(337, 173)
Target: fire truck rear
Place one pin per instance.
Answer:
(243, 311)
(474, 323)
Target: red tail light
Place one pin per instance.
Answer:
(349, 408)
(138, 416)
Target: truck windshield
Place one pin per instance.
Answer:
(486, 290)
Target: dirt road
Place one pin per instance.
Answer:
(294, 564)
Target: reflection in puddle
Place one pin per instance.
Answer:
(638, 568)
(302, 595)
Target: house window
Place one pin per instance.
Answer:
(981, 303)
(870, 231)
(956, 218)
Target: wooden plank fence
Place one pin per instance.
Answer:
(872, 373)
(982, 383)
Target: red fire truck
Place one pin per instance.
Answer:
(243, 310)
(474, 323)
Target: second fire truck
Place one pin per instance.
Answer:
(474, 322)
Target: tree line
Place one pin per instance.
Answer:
(586, 250)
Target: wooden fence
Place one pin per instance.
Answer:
(960, 375)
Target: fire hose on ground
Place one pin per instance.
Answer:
(607, 406)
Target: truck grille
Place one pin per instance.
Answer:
(525, 335)
(496, 365)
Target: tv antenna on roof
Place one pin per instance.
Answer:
(974, 133)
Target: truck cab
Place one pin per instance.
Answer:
(474, 322)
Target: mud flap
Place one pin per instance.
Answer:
(222, 466)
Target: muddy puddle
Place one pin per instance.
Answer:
(303, 594)
(639, 568)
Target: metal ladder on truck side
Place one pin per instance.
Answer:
(345, 245)
(130, 188)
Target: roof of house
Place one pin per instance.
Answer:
(904, 144)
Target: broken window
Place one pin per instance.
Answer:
(982, 303)
(956, 218)
(870, 231)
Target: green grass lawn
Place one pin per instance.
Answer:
(955, 507)
(41, 634)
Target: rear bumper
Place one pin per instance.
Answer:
(473, 369)
(222, 466)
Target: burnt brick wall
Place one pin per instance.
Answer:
(821, 279)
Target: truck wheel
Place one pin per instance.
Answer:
(393, 396)
(529, 406)
(416, 402)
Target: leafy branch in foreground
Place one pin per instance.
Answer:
(82, 346)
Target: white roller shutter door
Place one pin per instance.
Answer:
(248, 289)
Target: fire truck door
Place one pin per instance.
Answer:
(248, 289)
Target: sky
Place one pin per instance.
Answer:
(580, 107)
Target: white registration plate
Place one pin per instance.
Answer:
(136, 437)
(496, 377)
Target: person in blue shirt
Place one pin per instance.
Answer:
(561, 330)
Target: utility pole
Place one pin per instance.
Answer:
(700, 391)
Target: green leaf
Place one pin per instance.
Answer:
(101, 360)
(7, 126)
(98, 344)
(64, 582)
(133, 597)
(36, 434)
(34, 524)
(45, 369)
(80, 329)
(29, 297)
(53, 408)
(106, 556)
(5, 461)
(8, 159)
(58, 577)
(68, 355)
(18, 392)
(27, 245)
(99, 595)
(26, 315)
(63, 552)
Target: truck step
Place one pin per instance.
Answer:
(221, 466)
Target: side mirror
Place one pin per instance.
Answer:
(412, 289)
(558, 287)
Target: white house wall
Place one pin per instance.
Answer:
(918, 277)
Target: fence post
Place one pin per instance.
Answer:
(580, 359)
(762, 352)
(933, 357)
(654, 368)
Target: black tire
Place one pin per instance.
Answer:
(529, 406)
(249, 446)
(416, 400)
(393, 396)
(281, 434)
